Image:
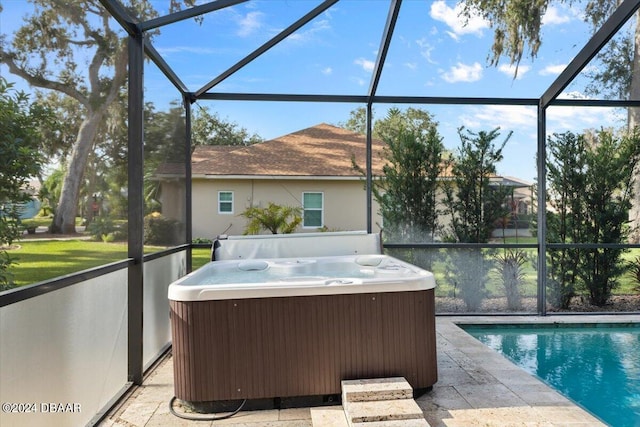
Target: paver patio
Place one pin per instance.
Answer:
(476, 387)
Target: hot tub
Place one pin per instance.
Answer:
(289, 327)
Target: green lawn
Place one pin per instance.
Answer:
(529, 286)
(42, 260)
(200, 257)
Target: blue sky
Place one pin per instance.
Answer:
(432, 54)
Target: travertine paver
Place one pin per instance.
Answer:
(332, 416)
(376, 389)
(479, 387)
(476, 387)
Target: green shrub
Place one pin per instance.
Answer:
(29, 225)
(467, 271)
(590, 193)
(633, 270)
(473, 205)
(101, 226)
(109, 238)
(6, 276)
(159, 230)
(273, 218)
(201, 240)
(510, 267)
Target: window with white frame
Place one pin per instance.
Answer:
(225, 202)
(312, 205)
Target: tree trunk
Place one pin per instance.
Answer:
(633, 117)
(65, 216)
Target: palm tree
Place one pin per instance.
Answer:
(274, 218)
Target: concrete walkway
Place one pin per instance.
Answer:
(476, 387)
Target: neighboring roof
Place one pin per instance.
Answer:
(321, 150)
(516, 182)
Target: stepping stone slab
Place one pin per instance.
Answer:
(383, 410)
(376, 389)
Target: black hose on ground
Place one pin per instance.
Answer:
(204, 418)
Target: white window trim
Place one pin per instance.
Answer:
(225, 201)
(321, 210)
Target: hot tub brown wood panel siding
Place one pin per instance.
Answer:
(300, 346)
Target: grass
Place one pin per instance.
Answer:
(200, 257)
(529, 287)
(516, 240)
(37, 222)
(43, 260)
(44, 221)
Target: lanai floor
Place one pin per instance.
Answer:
(476, 387)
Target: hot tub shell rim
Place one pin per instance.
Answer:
(418, 279)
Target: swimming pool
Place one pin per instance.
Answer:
(595, 365)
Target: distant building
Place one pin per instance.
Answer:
(311, 169)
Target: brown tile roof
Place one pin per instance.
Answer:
(321, 150)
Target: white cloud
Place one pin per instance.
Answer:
(523, 119)
(510, 70)
(309, 34)
(425, 49)
(553, 17)
(166, 51)
(411, 65)
(250, 23)
(329, 12)
(441, 11)
(365, 64)
(463, 73)
(469, 122)
(507, 117)
(579, 119)
(404, 41)
(550, 70)
(359, 81)
(327, 71)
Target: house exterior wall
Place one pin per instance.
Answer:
(173, 200)
(344, 203)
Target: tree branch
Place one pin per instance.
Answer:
(94, 71)
(81, 42)
(119, 77)
(42, 82)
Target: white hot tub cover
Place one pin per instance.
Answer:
(296, 245)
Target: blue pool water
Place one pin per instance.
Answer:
(596, 366)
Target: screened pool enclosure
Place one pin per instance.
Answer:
(88, 337)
